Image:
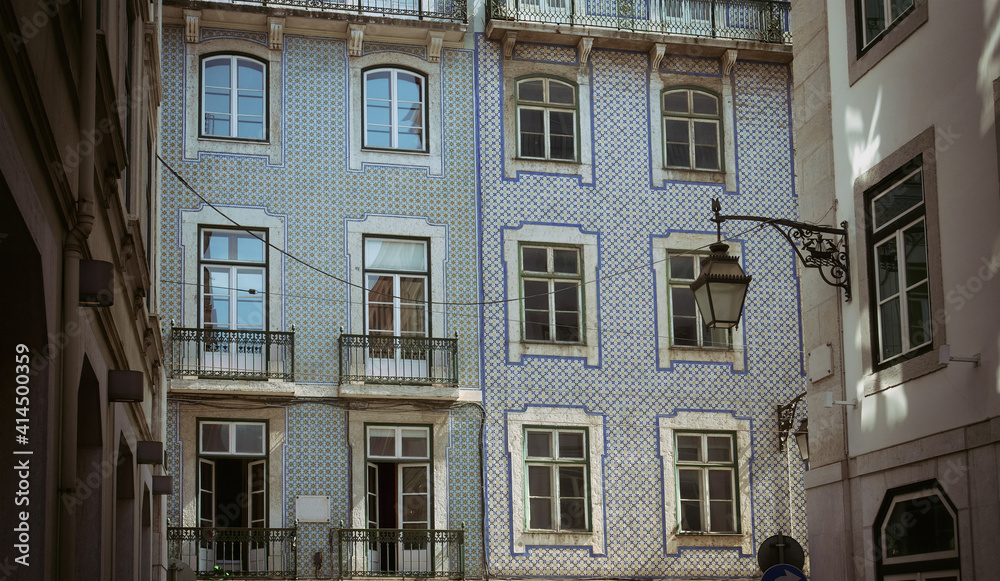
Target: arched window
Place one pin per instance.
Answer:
(546, 119)
(916, 535)
(692, 130)
(234, 101)
(395, 109)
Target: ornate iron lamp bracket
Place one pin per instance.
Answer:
(821, 247)
(786, 416)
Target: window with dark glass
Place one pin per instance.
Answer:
(686, 326)
(232, 480)
(551, 282)
(691, 130)
(706, 482)
(556, 473)
(233, 97)
(878, 15)
(233, 276)
(898, 249)
(546, 119)
(916, 535)
(394, 112)
(398, 480)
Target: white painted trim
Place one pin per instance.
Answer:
(252, 218)
(556, 417)
(358, 157)
(441, 438)
(666, 355)
(706, 422)
(552, 234)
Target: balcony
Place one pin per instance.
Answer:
(399, 553)
(453, 11)
(225, 354)
(394, 366)
(239, 553)
(758, 28)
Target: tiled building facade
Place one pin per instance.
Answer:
(621, 366)
(317, 201)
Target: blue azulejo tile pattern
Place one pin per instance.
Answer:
(314, 194)
(628, 389)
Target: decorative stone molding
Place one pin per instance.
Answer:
(656, 57)
(583, 50)
(728, 60)
(357, 38)
(192, 27)
(508, 44)
(434, 42)
(276, 32)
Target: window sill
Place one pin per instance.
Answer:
(541, 160)
(731, 356)
(903, 371)
(694, 175)
(397, 151)
(688, 534)
(223, 139)
(562, 350)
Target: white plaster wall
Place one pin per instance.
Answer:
(940, 76)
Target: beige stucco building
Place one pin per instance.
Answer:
(82, 383)
(896, 108)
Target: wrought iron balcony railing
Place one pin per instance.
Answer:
(438, 10)
(225, 354)
(759, 20)
(387, 359)
(242, 553)
(399, 552)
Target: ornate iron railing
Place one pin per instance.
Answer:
(760, 20)
(398, 360)
(225, 354)
(439, 10)
(242, 553)
(399, 552)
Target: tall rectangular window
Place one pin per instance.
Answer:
(691, 130)
(394, 109)
(233, 278)
(546, 119)
(686, 326)
(232, 480)
(233, 97)
(899, 275)
(396, 287)
(550, 288)
(555, 467)
(706, 482)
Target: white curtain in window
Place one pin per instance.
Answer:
(395, 255)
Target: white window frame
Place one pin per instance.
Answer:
(396, 297)
(552, 235)
(919, 558)
(233, 292)
(192, 222)
(895, 228)
(232, 438)
(568, 418)
(667, 353)
(394, 126)
(195, 143)
(360, 157)
(234, 96)
(679, 282)
(706, 422)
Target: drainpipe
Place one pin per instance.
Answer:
(72, 253)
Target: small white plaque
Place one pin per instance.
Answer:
(312, 508)
(819, 363)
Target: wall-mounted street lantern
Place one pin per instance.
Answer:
(786, 416)
(721, 288)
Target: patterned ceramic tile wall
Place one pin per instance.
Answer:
(315, 192)
(627, 388)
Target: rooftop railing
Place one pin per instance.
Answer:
(757, 20)
(226, 354)
(439, 10)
